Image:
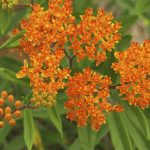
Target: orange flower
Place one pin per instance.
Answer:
(46, 34)
(87, 98)
(95, 35)
(44, 40)
(134, 69)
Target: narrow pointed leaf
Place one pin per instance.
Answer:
(55, 119)
(28, 129)
(119, 133)
(12, 42)
(87, 137)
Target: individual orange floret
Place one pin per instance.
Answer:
(4, 94)
(2, 102)
(1, 124)
(18, 104)
(10, 98)
(12, 122)
(87, 99)
(134, 68)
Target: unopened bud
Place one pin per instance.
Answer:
(12, 122)
(10, 98)
(1, 124)
(4, 94)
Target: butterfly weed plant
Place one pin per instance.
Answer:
(68, 67)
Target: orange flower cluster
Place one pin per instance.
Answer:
(95, 35)
(134, 69)
(87, 98)
(46, 34)
(44, 40)
(6, 112)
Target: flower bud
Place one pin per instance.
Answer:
(18, 104)
(12, 122)
(10, 98)
(4, 94)
(4, 6)
(8, 116)
(10, 5)
(17, 113)
(1, 124)
(1, 102)
(1, 112)
(8, 110)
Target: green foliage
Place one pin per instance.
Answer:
(130, 124)
(29, 131)
(12, 42)
(87, 137)
(3, 133)
(124, 43)
(55, 119)
(127, 22)
(5, 18)
(11, 76)
(120, 136)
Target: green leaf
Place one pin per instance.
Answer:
(55, 119)
(127, 22)
(76, 145)
(5, 20)
(79, 66)
(10, 42)
(135, 122)
(29, 134)
(80, 6)
(43, 3)
(139, 140)
(141, 6)
(87, 137)
(138, 119)
(105, 67)
(101, 133)
(40, 112)
(61, 99)
(6, 61)
(124, 43)
(119, 133)
(135, 115)
(16, 17)
(11, 76)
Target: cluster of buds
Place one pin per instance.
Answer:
(9, 109)
(8, 3)
(44, 99)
